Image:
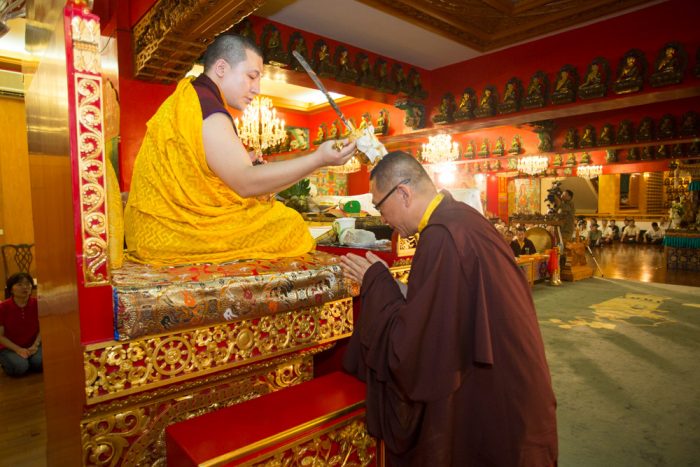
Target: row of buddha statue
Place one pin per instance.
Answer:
(339, 65)
(669, 68)
(336, 129)
(666, 129)
(487, 150)
(653, 152)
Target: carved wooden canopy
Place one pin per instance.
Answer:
(175, 33)
(491, 24)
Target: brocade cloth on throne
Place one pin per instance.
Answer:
(159, 299)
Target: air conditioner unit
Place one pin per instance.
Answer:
(11, 84)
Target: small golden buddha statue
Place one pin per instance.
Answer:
(629, 77)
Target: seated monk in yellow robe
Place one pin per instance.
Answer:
(196, 195)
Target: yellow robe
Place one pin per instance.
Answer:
(180, 212)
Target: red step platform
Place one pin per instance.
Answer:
(322, 419)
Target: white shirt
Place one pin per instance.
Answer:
(654, 234)
(630, 231)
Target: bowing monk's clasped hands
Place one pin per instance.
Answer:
(355, 266)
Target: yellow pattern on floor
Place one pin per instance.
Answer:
(642, 308)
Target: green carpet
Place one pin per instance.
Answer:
(625, 364)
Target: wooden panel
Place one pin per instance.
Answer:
(490, 24)
(609, 193)
(58, 306)
(172, 34)
(16, 201)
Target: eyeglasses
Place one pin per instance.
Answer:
(381, 201)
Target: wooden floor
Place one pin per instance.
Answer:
(643, 262)
(22, 424)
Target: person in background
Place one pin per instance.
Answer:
(655, 235)
(595, 236)
(582, 230)
(455, 369)
(20, 340)
(625, 223)
(614, 232)
(630, 234)
(522, 245)
(606, 232)
(567, 211)
(509, 236)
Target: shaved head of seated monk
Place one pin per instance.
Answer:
(196, 195)
(235, 66)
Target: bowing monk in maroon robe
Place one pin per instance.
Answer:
(456, 372)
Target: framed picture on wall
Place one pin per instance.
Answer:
(298, 138)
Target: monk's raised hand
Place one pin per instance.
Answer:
(336, 152)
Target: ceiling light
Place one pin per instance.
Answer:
(589, 171)
(533, 165)
(440, 148)
(259, 128)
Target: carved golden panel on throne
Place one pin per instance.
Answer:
(487, 25)
(346, 443)
(173, 34)
(131, 431)
(117, 369)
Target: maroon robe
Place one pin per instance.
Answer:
(456, 372)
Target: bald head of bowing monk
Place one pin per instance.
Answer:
(401, 191)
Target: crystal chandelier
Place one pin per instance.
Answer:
(259, 127)
(589, 171)
(533, 165)
(440, 148)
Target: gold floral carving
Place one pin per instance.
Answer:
(406, 246)
(85, 34)
(170, 37)
(132, 431)
(400, 273)
(347, 443)
(88, 96)
(117, 369)
(88, 156)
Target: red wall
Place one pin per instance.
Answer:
(647, 29)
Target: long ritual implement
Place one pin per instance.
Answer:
(322, 88)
